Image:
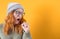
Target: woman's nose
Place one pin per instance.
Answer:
(18, 15)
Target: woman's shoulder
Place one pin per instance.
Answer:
(1, 30)
(1, 26)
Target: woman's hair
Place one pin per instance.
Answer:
(10, 26)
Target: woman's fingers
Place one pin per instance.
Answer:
(25, 26)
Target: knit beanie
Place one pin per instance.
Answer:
(12, 6)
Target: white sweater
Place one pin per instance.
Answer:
(13, 35)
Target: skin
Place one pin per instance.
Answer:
(18, 14)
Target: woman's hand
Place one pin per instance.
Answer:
(25, 27)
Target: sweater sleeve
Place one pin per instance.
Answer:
(27, 35)
(2, 36)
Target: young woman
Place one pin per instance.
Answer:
(15, 26)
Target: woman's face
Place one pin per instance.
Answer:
(18, 14)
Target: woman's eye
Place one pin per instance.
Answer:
(18, 12)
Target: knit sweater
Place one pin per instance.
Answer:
(13, 35)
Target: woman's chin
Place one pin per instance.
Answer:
(17, 22)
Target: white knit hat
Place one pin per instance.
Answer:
(12, 6)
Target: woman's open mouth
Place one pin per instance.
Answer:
(18, 19)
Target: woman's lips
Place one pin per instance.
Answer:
(18, 19)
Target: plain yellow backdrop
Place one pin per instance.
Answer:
(42, 15)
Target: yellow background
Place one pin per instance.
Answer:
(42, 15)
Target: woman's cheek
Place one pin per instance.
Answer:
(20, 16)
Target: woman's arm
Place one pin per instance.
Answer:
(27, 35)
(2, 36)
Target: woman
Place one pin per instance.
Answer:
(15, 26)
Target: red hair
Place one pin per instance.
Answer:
(9, 25)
